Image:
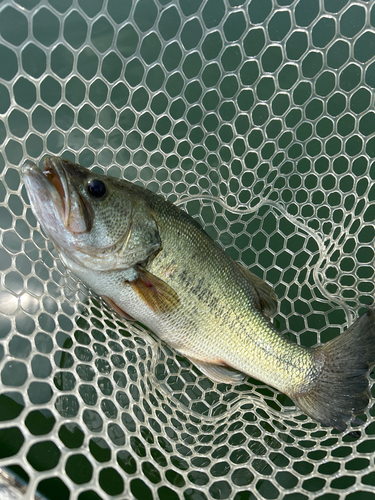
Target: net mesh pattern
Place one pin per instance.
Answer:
(257, 118)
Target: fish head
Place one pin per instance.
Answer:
(88, 216)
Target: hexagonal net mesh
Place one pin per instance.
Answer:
(257, 118)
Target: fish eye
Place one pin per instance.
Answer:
(96, 188)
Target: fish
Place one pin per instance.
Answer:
(153, 263)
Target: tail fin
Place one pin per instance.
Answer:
(341, 388)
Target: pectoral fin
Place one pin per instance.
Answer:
(156, 293)
(218, 373)
(266, 300)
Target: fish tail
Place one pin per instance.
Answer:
(340, 391)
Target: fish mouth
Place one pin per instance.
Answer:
(52, 183)
(44, 193)
(58, 181)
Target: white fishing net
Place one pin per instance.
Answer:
(257, 118)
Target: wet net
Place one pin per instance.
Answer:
(257, 118)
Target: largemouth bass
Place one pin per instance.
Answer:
(152, 262)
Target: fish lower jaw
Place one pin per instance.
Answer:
(79, 262)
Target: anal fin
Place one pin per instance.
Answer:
(218, 373)
(156, 293)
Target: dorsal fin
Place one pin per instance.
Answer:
(266, 300)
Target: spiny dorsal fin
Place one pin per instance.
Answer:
(267, 300)
(156, 293)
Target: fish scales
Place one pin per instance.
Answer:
(151, 261)
(241, 330)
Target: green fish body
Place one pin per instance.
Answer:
(152, 262)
